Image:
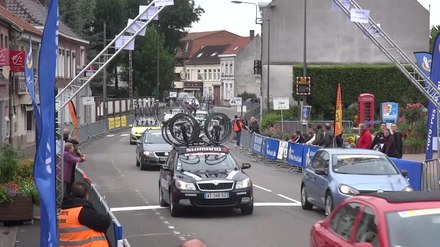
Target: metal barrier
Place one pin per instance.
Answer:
(431, 175)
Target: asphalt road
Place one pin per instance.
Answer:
(278, 219)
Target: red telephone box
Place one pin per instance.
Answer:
(366, 109)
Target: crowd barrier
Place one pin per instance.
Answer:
(421, 175)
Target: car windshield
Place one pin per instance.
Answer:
(154, 138)
(414, 228)
(363, 164)
(206, 162)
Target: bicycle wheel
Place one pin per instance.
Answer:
(184, 128)
(217, 128)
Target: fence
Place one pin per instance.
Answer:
(422, 175)
(293, 126)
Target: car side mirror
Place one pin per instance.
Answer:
(364, 244)
(321, 172)
(165, 167)
(245, 166)
(404, 173)
(130, 125)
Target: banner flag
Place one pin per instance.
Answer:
(30, 84)
(150, 12)
(44, 166)
(435, 69)
(338, 112)
(73, 116)
(134, 26)
(122, 40)
(424, 60)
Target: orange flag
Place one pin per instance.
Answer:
(338, 112)
(74, 118)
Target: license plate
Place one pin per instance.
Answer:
(218, 195)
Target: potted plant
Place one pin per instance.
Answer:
(412, 125)
(17, 188)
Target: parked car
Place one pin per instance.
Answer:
(204, 177)
(152, 150)
(140, 125)
(388, 219)
(337, 174)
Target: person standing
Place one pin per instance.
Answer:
(379, 138)
(319, 138)
(364, 140)
(389, 145)
(79, 222)
(254, 127)
(237, 126)
(70, 160)
(328, 136)
(398, 140)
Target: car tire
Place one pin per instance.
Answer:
(328, 203)
(143, 166)
(137, 161)
(248, 210)
(174, 209)
(305, 204)
(162, 202)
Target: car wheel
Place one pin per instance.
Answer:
(248, 210)
(305, 204)
(143, 165)
(137, 161)
(162, 202)
(174, 209)
(328, 203)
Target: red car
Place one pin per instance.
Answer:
(388, 219)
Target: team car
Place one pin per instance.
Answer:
(204, 177)
(151, 150)
(140, 125)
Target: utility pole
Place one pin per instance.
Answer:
(157, 66)
(304, 98)
(130, 79)
(104, 77)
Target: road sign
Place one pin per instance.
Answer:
(241, 109)
(281, 103)
(173, 94)
(236, 101)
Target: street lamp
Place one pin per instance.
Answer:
(256, 10)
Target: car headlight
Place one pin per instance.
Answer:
(133, 132)
(345, 189)
(166, 153)
(184, 185)
(408, 189)
(246, 183)
(148, 153)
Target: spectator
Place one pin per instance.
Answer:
(398, 140)
(70, 160)
(244, 122)
(237, 126)
(378, 140)
(298, 137)
(339, 140)
(254, 127)
(319, 137)
(365, 137)
(389, 145)
(193, 243)
(328, 136)
(79, 222)
(311, 136)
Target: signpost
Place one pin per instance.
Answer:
(281, 103)
(237, 101)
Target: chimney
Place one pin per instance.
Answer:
(251, 34)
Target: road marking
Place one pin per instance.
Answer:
(288, 198)
(262, 188)
(276, 204)
(110, 135)
(135, 208)
(125, 135)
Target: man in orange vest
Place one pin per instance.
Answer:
(80, 225)
(237, 126)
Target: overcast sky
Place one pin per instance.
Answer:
(240, 18)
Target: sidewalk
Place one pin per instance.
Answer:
(28, 234)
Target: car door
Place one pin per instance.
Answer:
(367, 229)
(314, 183)
(322, 180)
(166, 175)
(339, 232)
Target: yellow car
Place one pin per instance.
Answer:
(140, 126)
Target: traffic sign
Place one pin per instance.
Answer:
(173, 94)
(281, 103)
(236, 101)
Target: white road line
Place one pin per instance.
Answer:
(125, 135)
(288, 198)
(276, 204)
(262, 188)
(110, 135)
(135, 208)
(256, 204)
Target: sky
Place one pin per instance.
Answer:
(240, 18)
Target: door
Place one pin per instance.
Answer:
(316, 184)
(217, 95)
(166, 175)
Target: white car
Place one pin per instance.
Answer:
(201, 116)
(168, 115)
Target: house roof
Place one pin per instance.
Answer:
(4, 13)
(207, 55)
(237, 45)
(198, 35)
(35, 13)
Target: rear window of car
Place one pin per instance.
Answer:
(154, 138)
(414, 227)
(363, 164)
(209, 161)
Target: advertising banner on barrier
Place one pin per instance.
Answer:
(258, 144)
(414, 169)
(282, 150)
(308, 153)
(272, 148)
(295, 154)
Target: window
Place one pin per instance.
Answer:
(205, 74)
(210, 74)
(186, 46)
(320, 161)
(6, 41)
(231, 69)
(218, 74)
(200, 54)
(188, 75)
(29, 120)
(367, 228)
(69, 65)
(1, 41)
(343, 220)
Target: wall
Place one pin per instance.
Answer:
(244, 76)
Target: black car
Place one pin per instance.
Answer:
(151, 150)
(204, 177)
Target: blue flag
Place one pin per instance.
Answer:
(29, 72)
(45, 163)
(435, 66)
(424, 60)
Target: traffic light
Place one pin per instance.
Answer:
(257, 67)
(303, 85)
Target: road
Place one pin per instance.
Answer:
(278, 219)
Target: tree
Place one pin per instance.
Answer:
(435, 30)
(78, 15)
